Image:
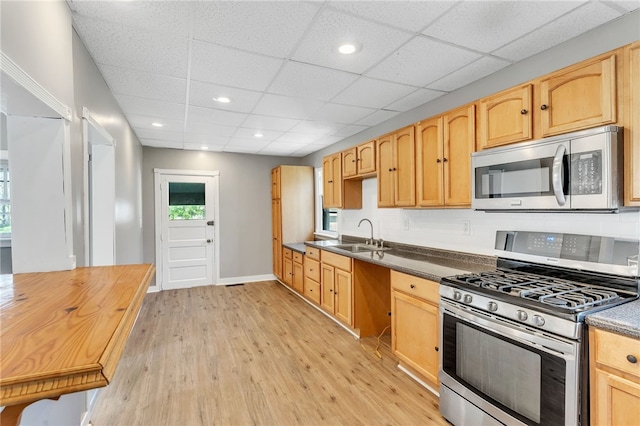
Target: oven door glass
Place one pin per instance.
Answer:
(521, 380)
(528, 178)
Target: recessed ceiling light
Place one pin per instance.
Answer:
(349, 48)
(204, 148)
(157, 124)
(222, 99)
(258, 135)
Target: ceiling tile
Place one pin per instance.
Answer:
(115, 44)
(230, 67)
(277, 151)
(264, 122)
(627, 6)
(202, 94)
(474, 71)
(160, 135)
(287, 107)
(341, 113)
(270, 28)
(216, 116)
(418, 62)
(486, 26)
(248, 133)
(415, 99)
(349, 130)
(299, 138)
(307, 149)
(316, 127)
(149, 107)
(199, 147)
(367, 92)
(332, 28)
(247, 142)
(160, 143)
(285, 145)
(571, 25)
(205, 139)
(166, 17)
(315, 82)
(144, 122)
(240, 149)
(144, 85)
(210, 129)
(409, 15)
(377, 117)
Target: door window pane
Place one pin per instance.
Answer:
(186, 201)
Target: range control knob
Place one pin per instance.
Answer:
(538, 320)
(468, 298)
(522, 315)
(457, 295)
(493, 306)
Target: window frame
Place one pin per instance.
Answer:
(5, 238)
(319, 231)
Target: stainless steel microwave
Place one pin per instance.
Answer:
(576, 171)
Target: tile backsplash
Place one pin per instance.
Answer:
(472, 231)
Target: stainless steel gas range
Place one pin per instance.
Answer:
(513, 342)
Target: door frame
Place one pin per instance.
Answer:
(158, 174)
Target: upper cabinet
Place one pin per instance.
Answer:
(332, 181)
(632, 125)
(396, 169)
(506, 117)
(579, 97)
(444, 147)
(359, 161)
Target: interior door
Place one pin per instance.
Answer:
(187, 233)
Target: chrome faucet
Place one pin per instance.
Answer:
(370, 224)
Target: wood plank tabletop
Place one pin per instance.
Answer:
(63, 332)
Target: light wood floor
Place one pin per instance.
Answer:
(254, 354)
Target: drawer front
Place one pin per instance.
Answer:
(297, 257)
(340, 262)
(418, 287)
(287, 253)
(312, 253)
(312, 269)
(312, 290)
(616, 351)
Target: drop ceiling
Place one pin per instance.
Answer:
(278, 62)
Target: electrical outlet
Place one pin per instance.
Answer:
(466, 227)
(405, 223)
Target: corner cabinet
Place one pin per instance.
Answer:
(397, 169)
(506, 117)
(632, 125)
(444, 147)
(292, 211)
(415, 324)
(614, 378)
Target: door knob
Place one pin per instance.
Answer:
(209, 241)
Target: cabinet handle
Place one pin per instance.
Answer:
(329, 181)
(394, 169)
(353, 161)
(437, 349)
(412, 286)
(632, 359)
(445, 160)
(438, 161)
(523, 112)
(390, 170)
(543, 107)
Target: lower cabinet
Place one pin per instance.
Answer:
(615, 378)
(337, 286)
(287, 266)
(298, 272)
(415, 324)
(312, 275)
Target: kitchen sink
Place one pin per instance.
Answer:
(360, 248)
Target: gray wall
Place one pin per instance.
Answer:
(245, 204)
(39, 37)
(599, 40)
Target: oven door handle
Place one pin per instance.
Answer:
(565, 349)
(556, 175)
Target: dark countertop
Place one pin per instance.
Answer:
(299, 247)
(623, 319)
(428, 263)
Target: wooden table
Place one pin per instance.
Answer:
(63, 332)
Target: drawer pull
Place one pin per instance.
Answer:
(437, 349)
(412, 286)
(632, 359)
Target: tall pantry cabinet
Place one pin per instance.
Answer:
(291, 209)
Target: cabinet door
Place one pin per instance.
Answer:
(277, 238)
(298, 277)
(632, 132)
(367, 158)
(459, 142)
(275, 183)
(336, 179)
(287, 271)
(405, 167)
(506, 117)
(385, 171)
(349, 162)
(327, 181)
(616, 400)
(429, 169)
(414, 334)
(343, 292)
(579, 98)
(328, 300)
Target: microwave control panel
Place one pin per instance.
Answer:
(586, 173)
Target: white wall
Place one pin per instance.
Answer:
(444, 228)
